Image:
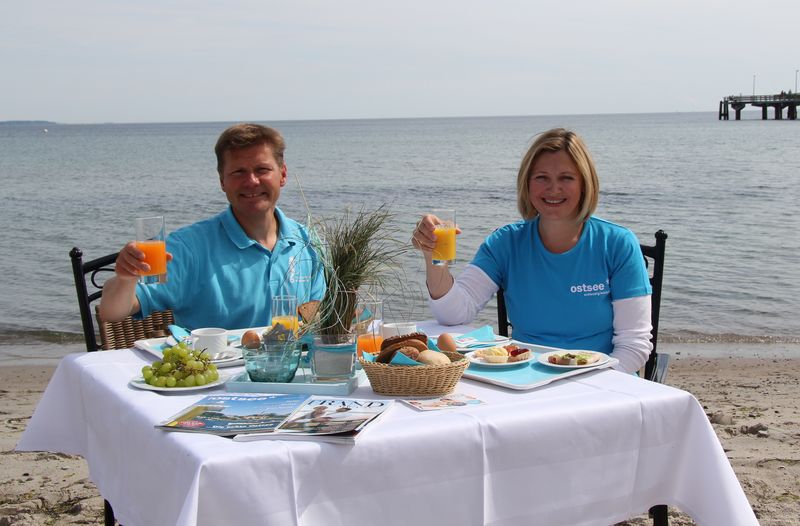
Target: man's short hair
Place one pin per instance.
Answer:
(246, 135)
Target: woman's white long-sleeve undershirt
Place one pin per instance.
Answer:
(473, 289)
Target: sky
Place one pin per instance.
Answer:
(90, 61)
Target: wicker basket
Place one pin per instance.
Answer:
(415, 380)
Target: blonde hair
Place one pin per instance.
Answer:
(557, 140)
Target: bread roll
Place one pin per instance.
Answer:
(308, 310)
(416, 340)
(431, 357)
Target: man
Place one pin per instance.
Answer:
(224, 270)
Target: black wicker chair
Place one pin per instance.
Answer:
(113, 335)
(656, 367)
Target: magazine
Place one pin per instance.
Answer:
(230, 414)
(327, 418)
(450, 401)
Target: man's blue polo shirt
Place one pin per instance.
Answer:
(220, 277)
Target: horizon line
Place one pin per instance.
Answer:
(331, 119)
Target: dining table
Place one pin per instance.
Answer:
(591, 449)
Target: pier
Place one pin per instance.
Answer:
(778, 103)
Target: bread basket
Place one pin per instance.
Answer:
(415, 380)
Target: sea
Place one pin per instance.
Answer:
(726, 193)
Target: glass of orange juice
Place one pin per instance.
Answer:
(445, 250)
(151, 235)
(284, 312)
(369, 322)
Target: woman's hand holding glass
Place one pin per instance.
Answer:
(425, 236)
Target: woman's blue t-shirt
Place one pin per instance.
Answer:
(564, 300)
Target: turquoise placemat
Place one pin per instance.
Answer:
(526, 376)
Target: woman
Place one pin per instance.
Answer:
(570, 279)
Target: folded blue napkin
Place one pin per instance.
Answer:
(398, 359)
(483, 334)
(179, 333)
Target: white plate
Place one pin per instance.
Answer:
(229, 355)
(543, 359)
(139, 383)
(499, 341)
(479, 361)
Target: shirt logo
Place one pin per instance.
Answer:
(293, 274)
(591, 289)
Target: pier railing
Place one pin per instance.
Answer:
(750, 99)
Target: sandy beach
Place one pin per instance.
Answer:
(752, 404)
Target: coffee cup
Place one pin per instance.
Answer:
(397, 329)
(210, 339)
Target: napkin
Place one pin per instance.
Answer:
(179, 333)
(483, 334)
(398, 359)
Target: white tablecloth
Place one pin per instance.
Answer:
(595, 449)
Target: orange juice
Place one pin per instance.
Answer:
(370, 343)
(445, 249)
(288, 321)
(155, 255)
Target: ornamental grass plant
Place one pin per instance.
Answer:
(360, 252)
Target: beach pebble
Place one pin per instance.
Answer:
(721, 418)
(756, 429)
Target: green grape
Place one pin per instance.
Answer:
(181, 366)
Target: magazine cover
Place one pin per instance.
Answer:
(231, 414)
(450, 401)
(327, 418)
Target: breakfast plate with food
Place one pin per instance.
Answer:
(573, 359)
(508, 356)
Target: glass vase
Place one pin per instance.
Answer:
(333, 362)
